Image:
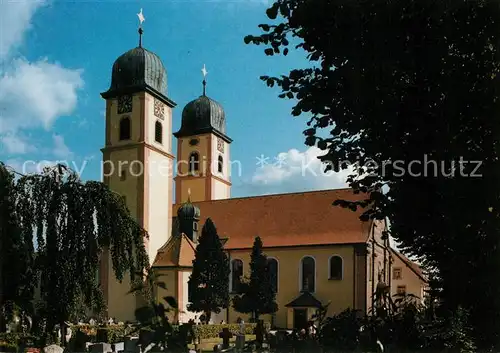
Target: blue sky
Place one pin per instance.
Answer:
(56, 57)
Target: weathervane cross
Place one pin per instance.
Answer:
(204, 72)
(141, 17)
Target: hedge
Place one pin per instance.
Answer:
(114, 333)
(8, 347)
(212, 331)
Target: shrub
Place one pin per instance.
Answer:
(212, 331)
(114, 333)
(8, 347)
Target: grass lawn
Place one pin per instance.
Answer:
(207, 345)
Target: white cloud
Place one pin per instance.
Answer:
(60, 149)
(295, 171)
(15, 21)
(15, 144)
(36, 94)
(33, 95)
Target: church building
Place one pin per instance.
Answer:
(319, 253)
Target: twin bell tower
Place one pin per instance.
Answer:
(139, 163)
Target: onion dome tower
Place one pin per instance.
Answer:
(188, 216)
(203, 150)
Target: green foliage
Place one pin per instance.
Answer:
(341, 332)
(153, 321)
(73, 223)
(17, 275)
(259, 296)
(114, 333)
(399, 82)
(209, 281)
(212, 331)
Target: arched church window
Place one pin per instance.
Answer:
(125, 128)
(336, 267)
(220, 164)
(236, 274)
(158, 132)
(272, 268)
(308, 274)
(194, 162)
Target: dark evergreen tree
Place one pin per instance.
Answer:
(209, 282)
(400, 82)
(17, 275)
(73, 223)
(259, 296)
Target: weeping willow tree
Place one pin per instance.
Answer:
(71, 223)
(17, 276)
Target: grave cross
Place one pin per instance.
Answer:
(226, 335)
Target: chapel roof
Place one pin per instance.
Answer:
(305, 300)
(293, 219)
(178, 251)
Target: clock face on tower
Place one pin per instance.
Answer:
(124, 104)
(220, 145)
(159, 110)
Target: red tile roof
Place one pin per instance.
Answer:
(178, 251)
(306, 218)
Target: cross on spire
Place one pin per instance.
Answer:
(141, 31)
(204, 72)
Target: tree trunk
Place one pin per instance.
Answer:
(208, 315)
(63, 333)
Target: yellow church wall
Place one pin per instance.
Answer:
(114, 120)
(378, 261)
(196, 186)
(408, 280)
(339, 292)
(159, 210)
(166, 122)
(186, 315)
(170, 278)
(220, 190)
(184, 149)
(225, 155)
(121, 305)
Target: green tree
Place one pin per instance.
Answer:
(259, 296)
(400, 82)
(17, 275)
(73, 223)
(209, 281)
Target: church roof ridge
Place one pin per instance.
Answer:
(269, 196)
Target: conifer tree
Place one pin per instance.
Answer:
(259, 296)
(209, 281)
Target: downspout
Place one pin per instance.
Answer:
(229, 289)
(373, 267)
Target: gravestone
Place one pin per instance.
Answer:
(100, 348)
(101, 335)
(53, 348)
(119, 346)
(131, 345)
(226, 335)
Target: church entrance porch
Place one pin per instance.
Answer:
(300, 318)
(301, 310)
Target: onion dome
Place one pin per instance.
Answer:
(188, 211)
(139, 70)
(203, 115)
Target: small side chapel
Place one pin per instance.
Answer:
(319, 253)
